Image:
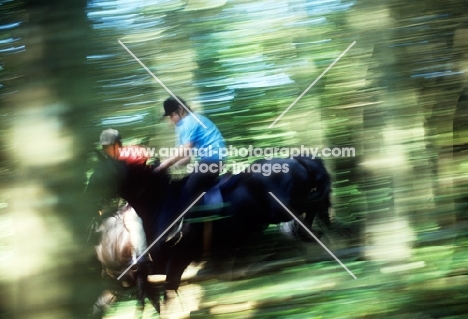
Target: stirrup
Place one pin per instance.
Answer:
(175, 233)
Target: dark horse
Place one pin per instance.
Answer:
(304, 187)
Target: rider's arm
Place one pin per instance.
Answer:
(179, 157)
(183, 161)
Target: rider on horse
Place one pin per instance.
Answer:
(197, 133)
(110, 203)
(111, 142)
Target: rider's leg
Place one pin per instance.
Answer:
(200, 180)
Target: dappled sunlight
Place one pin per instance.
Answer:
(389, 239)
(34, 238)
(34, 242)
(398, 98)
(39, 139)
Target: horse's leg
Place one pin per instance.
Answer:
(316, 207)
(158, 266)
(176, 268)
(173, 304)
(180, 257)
(141, 287)
(146, 289)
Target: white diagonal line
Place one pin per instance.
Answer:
(162, 84)
(160, 236)
(313, 83)
(312, 234)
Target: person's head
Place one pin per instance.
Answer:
(111, 141)
(175, 110)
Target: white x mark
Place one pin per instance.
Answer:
(313, 83)
(312, 234)
(162, 84)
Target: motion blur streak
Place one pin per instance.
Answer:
(399, 97)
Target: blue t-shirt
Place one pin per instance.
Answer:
(207, 141)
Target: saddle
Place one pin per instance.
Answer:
(210, 208)
(207, 210)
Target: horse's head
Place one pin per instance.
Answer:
(114, 249)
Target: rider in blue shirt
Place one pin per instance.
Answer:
(207, 141)
(197, 135)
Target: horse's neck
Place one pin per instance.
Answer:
(154, 191)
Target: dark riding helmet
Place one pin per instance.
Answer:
(171, 105)
(110, 137)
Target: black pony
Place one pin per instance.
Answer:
(303, 185)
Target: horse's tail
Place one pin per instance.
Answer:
(320, 183)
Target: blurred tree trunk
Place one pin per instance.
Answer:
(384, 165)
(434, 63)
(417, 93)
(342, 105)
(51, 138)
(460, 125)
